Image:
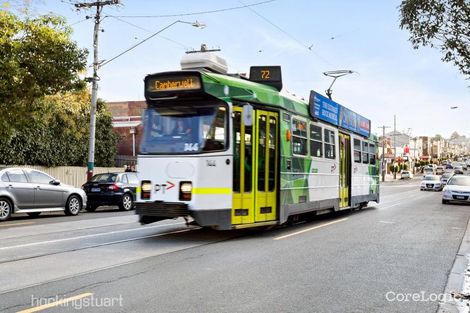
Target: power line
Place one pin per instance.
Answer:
(287, 34)
(148, 31)
(198, 13)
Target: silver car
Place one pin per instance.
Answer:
(457, 190)
(24, 190)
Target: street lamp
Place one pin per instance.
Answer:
(94, 90)
(335, 75)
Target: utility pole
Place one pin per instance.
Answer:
(383, 152)
(94, 79)
(394, 145)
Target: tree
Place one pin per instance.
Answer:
(444, 24)
(37, 58)
(58, 134)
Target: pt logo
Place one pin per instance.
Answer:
(164, 187)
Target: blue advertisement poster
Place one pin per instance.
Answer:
(323, 108)
(329, 111)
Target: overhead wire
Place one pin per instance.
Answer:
(198, 13)
(149, 31)
(310, 48)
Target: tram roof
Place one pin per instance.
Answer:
(245, 90)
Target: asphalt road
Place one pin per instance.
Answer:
(365, 261)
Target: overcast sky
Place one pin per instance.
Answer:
(305, 37)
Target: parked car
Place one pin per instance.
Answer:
(457, 189)
(445, 177)
(406, 174)
(431, 182)
(111, 189)
(25, 190)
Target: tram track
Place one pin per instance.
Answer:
(114, 242)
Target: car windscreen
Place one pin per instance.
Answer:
(431, 177)
(104, 178)
(460, 181)
(185, 129)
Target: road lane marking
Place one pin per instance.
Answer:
(56, 303)
(387, 222)
(309, 229)
(86, 236)
(14, 224)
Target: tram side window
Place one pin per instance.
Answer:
(365, 152)
(329, 144)
(372, 153)
(316, 146)
(357, 151)
(299, 137)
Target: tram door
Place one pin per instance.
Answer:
(255, 167)
(344, 170)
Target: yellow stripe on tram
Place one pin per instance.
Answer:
(212, 191)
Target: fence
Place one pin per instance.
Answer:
(71, 175)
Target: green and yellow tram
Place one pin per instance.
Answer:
(232, 152)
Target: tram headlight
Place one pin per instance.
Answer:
(145, 187)
(186, 189)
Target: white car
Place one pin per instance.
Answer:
(457, 189)
(406, 174)
(431, 182)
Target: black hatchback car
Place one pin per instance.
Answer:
(111, 189)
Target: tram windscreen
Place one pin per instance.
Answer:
(181, 129)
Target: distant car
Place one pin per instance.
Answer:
(428, 170)
(406, 174)
(458, 169)
(439, 170)
(431, 182)
(111, 189)
(445, 177)
(457, 189)
(25, 190)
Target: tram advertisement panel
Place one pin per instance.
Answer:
(329, 111)
(323, 108)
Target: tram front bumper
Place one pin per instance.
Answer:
(150, 212)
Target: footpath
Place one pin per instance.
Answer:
(457, 290)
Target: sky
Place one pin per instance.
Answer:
(306, 38)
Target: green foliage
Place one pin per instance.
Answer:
(440, 23)
(57, 134)
(37, 58)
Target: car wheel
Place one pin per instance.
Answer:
(127, 203)
(445, 201)
(34, 214)
(91, 208)
(73, 206)
(5, 209)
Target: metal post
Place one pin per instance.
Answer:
(394, 145)
(94, 95)
(94, 79)
(383, 153)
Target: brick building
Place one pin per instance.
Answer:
(127, 119)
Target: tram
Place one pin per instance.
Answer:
(233, 152)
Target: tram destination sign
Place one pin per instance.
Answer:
(334, 113)
(172, 82)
